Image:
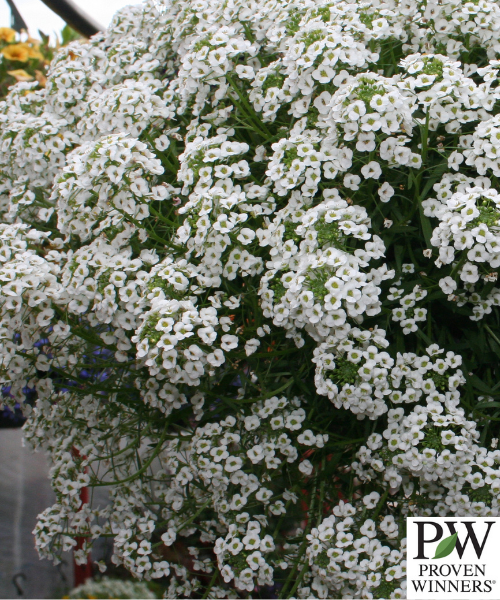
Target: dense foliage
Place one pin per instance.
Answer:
(249, 284)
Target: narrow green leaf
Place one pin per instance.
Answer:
(424, 337)
(487, 405)
(446, 546)
(398, 255)
(426, 226)
(481, 386)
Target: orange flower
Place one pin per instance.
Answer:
(17, 52)
(20, 75)
(7, 34)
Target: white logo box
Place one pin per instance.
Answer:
(453, 558)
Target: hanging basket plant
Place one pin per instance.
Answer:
(249, 265)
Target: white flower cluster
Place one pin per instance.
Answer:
(468, 240)
(137, 103)
(108, 586)
(469, 223)
(353, 554)
(210, 57)
(449, 97)
(435, 448)
(368, 105)
(317, 277)
(442, 25)
(408, 314)
(221, 455)
(169, 335)
(33, 150)
(238, 237)
(482, 146)
(218, 210)
(104, 181)
(356, 375)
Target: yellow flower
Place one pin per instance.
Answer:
(20, 75)
(34, 52)
(17, 52)
(7, 34)
(40, 77)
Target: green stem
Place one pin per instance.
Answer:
(162, 217)
(321, 496)
(192, 518)
(458, 265)
(264, 397)
(299, 579)
(280, 520)
(144, 468)
(302, 549)
(249, 108)
(425, 137)
(289, 579)
(380, 504)
(492, 334)
(211, 584)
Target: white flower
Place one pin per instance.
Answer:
(235, 546)
(371, 500)
(448, 285)
(251, 346)
(169, 537)
(216, 358)
(233, 463)
(245, 71)
(469, 273)
(255, 560)
(251, 541)
(371, 170)
(306, 467)
(455, 160)
(256, 453)
(246, 236)
(386, 192)
(251, 422)
(229, 342)
(352, 182)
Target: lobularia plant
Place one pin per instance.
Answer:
(111, 588)
(249, 273)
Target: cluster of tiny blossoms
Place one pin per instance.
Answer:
(354, 553)
(249, 287)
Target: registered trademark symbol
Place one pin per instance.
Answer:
(493, 582)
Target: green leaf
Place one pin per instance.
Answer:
(487, 405)
(424, 337)
(426, 226)
(481, 386)
(68, 35)
(398, 255)
(446, 546)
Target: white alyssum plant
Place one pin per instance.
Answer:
(249, 256)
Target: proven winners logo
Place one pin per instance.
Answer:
(453, 558)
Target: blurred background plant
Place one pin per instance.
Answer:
(108, 587)
(24, 58)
